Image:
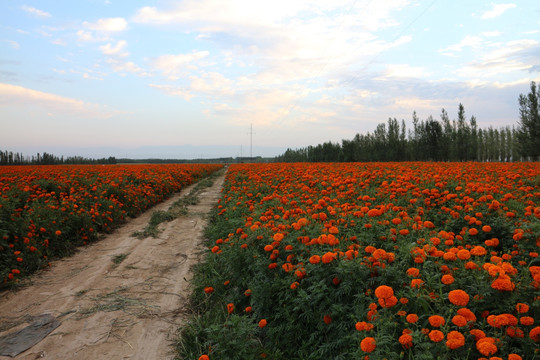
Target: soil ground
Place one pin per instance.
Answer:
(119, 298)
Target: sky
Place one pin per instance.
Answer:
(220, 78)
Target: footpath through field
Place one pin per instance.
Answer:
(120, 298)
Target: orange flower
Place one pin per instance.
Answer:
(412, 318)
(522, 308)
(204, 357)
(315, 259)
(384, 292)
(459, 320)
(406, 341)
(458, 297)
(486, 346)
(414, 272)
(327, 319)
(436, 320)
(416, 283)
(455, 340)
(478, 251)
(467, 314)
(436, 335)
(328, 257)
(58, 232)
(363, 326)
(388, 302)
(534, 334)
(262, 323)
(447, 279)
(230, 308)
(478, 334)
(208, 289)
(368, 344)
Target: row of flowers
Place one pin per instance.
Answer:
(46, 211)
(378, 260)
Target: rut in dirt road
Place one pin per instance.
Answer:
(120, 298)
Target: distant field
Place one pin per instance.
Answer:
(371, 260)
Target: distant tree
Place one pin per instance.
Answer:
(528, 132)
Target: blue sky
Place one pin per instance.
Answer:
(189, 78)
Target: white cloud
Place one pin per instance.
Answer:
(87, 36)
(35, 11)
(107, 25)
(174, 91)
(497, 10)
(14, 95)
(492, 33)
(469, 41)
(404, 71)
(173, 66)
(124, 67)
(116, 50)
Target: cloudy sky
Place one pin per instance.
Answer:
(148, 78)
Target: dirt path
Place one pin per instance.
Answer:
(129, 310)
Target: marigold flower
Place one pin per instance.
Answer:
(459, 320)
(315, 259)
(406, 341)
(514, 357)
(328, 257)
(455, 340)
(463, 254)
(478, 251)
(230, 308)
(208, 289)
(486, 346)
(388, 302)
(262, 323)
(417, 283)
(503, 283)
(447, 279)
(412, 318)
(522, 308)
(458, 297)
(534, 334)
(478, 334)
(436, 320)
(58, 232)
(467, 314)
(363, 326)
(526, 320)
(384, 292)
(436, 335)
(204, 357)
(414, 272)
(368, 344)
(327, 319)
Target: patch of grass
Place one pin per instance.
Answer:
(117, 301)
(117, 259)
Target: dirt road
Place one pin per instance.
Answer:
(120, 298)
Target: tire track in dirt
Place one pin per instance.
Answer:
(120, 298)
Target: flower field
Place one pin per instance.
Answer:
(46, 211)
(371, 261)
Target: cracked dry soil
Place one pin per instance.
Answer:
(119, 298)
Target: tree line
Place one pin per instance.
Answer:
(436, 140)
(17, 158)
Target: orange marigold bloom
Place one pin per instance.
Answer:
(230, 308)
(486, 346)
(204, 357)
(416, 283)
(447, 279)
(467, 314)
(327, 319)
(459, 320)
(534, 334)
(328, 257)
(268, 248)
(503, 283)
(478, 334)
(262, 323)
(384, 292)
(526, 320)
(208, 289)
(473, 231)
(414, 272)
(406, 341)
(522, 308)
(458, 297)
(436, 335)
(58, 232)
(412, 318)
(315, 259)
(455, 340)
(436, 320)
(388, 302)
(363, 326)
(478, 251)
(463, 254)
(514, 357)
(368, 344)
(486, 228)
